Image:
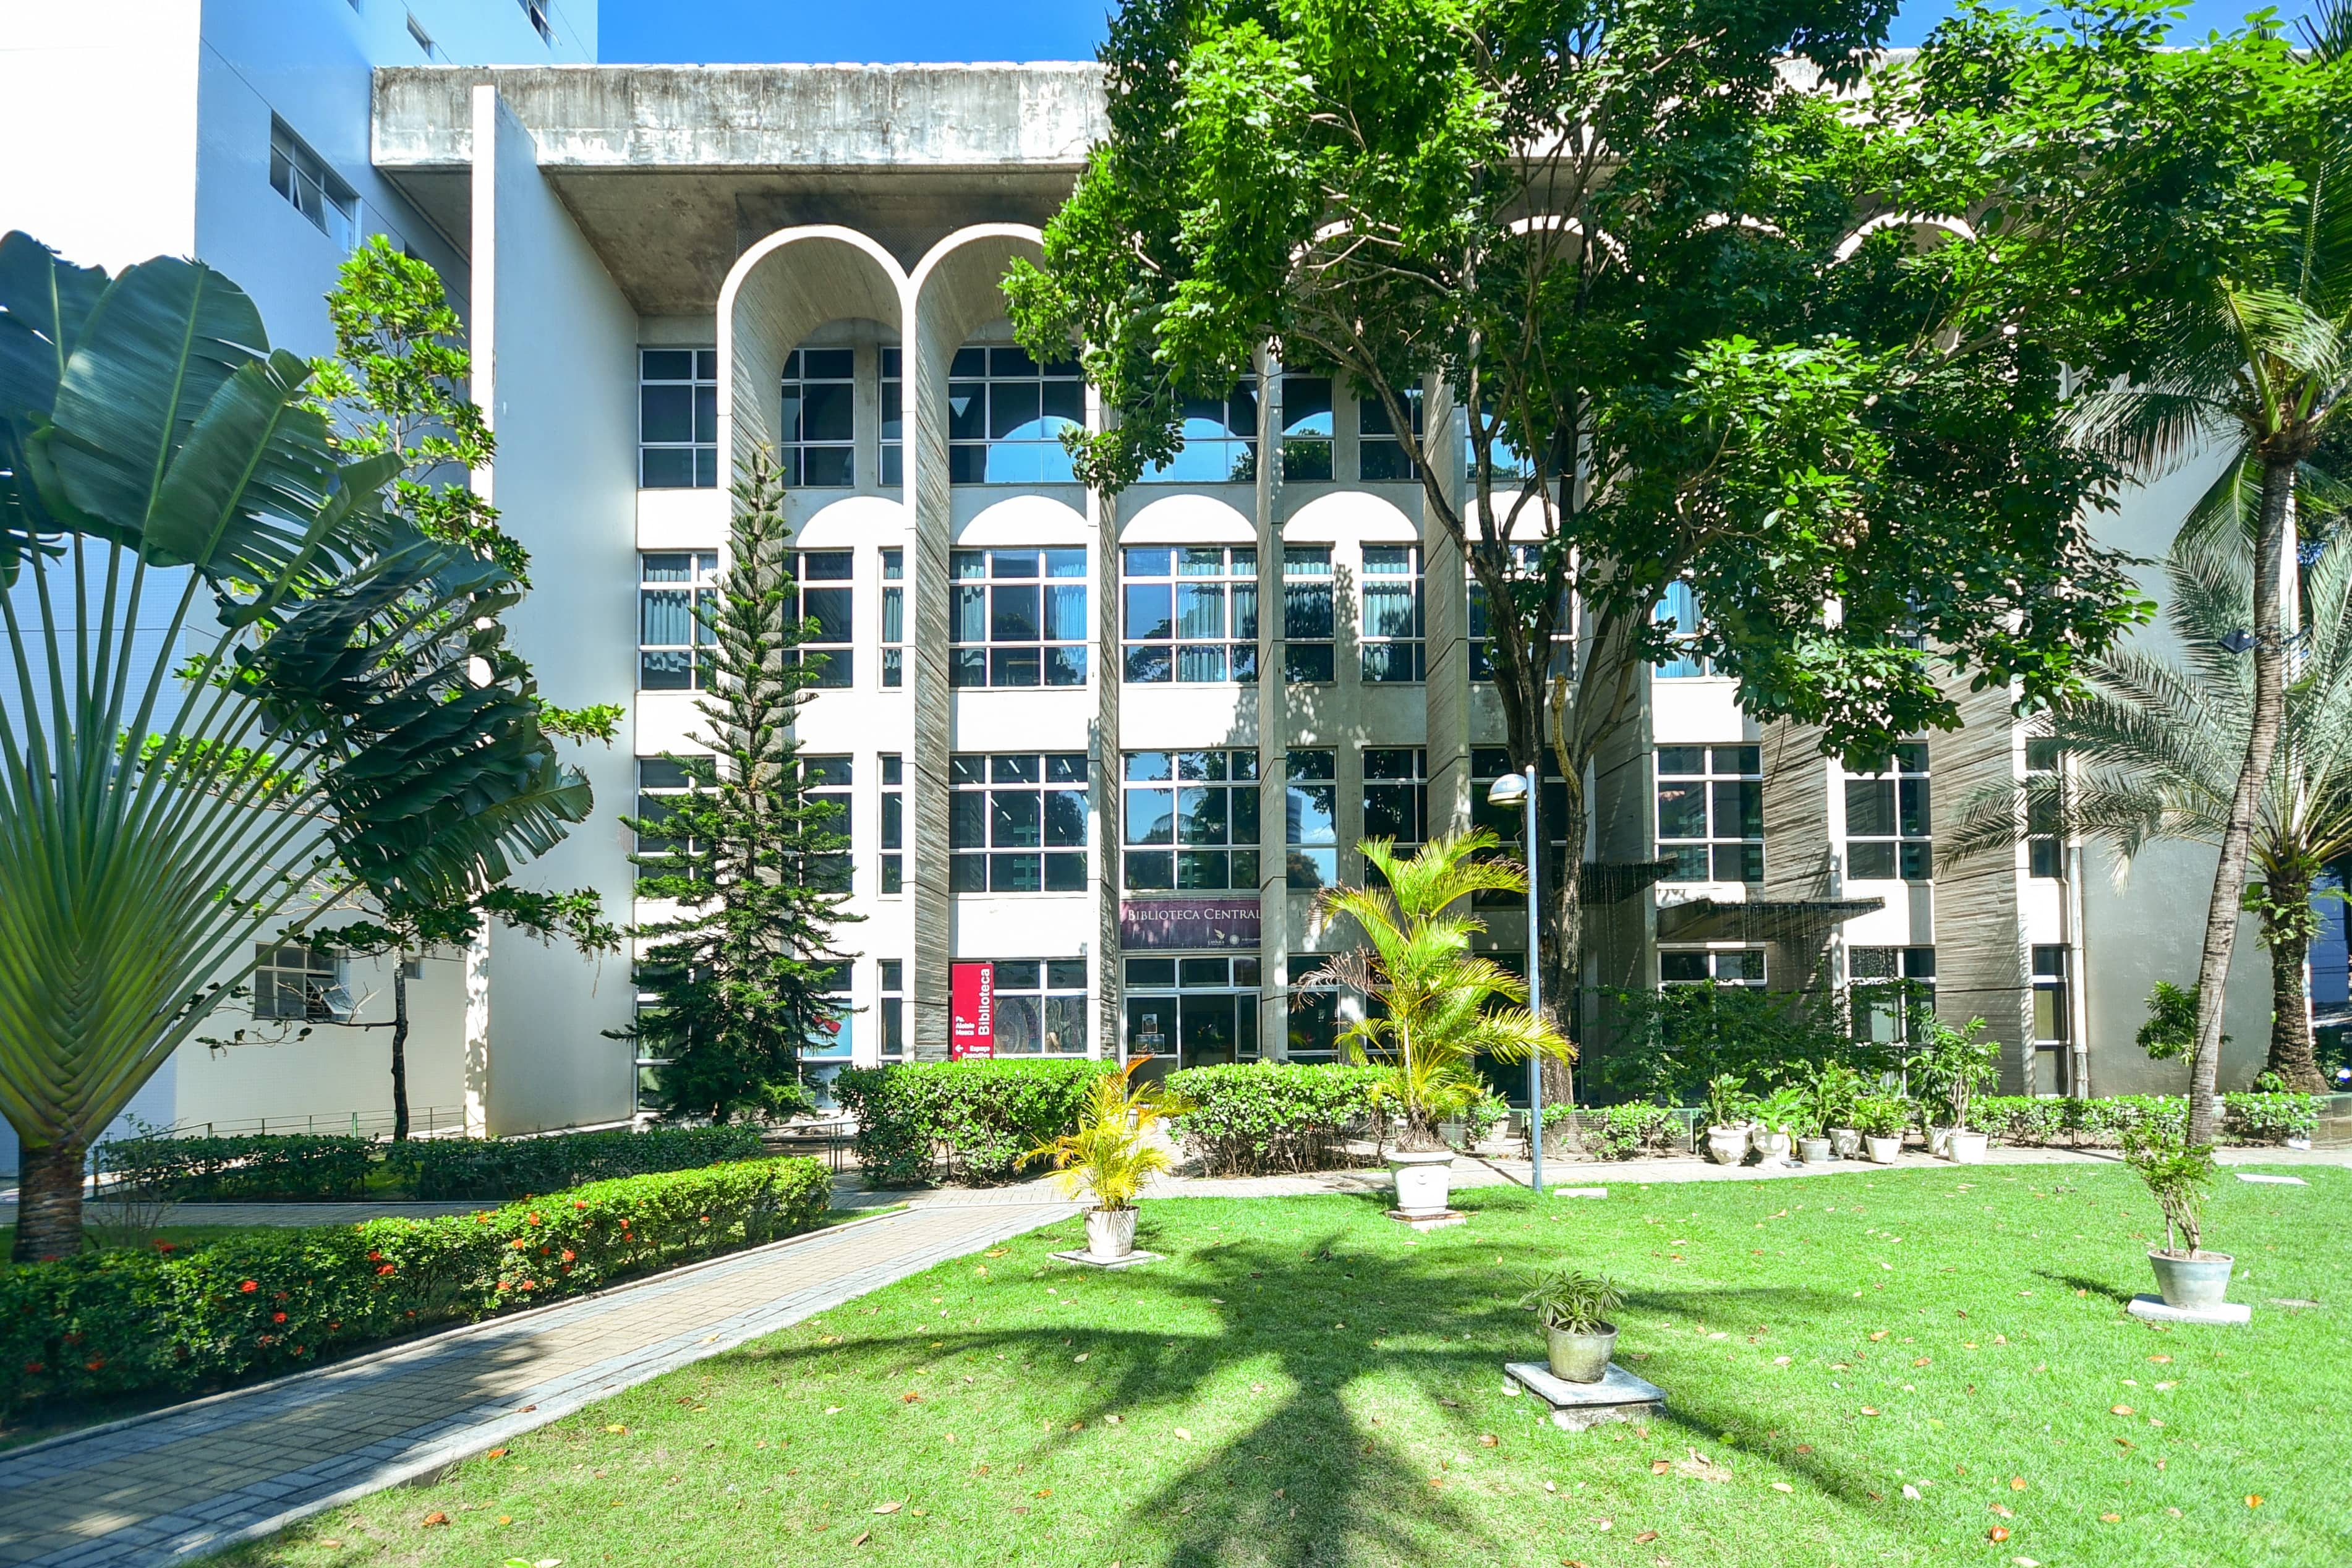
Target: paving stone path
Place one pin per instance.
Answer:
(196, 1478)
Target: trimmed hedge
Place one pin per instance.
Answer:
(2245, 1118)
(274, 1302)
(981, 1116)
(1266, 1117)
(254, 1167)
(302, 1167)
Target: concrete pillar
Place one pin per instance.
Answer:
(1445, 607)
(1273, 724)
(1983, 965)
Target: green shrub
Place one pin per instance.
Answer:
(2245, 1118)
(272, 1302)
(252, 1168)
(442, 1169)
(1261, 1118)
(2268, 1118)
(1625, 1132)
(984, 1117)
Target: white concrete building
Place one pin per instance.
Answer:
(1055, 721)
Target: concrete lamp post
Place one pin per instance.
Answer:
(1519, 789)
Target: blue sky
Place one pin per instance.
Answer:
(663, 31)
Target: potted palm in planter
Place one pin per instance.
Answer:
(1779, 1117)
(2177, 1172)
(1576, 1310)
(1953, 1066)
(1441, 1005)
(1729, 1109)
(1111, 1155)
(1881, 1119)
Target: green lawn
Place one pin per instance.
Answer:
(1863, 1369)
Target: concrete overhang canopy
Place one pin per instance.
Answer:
(672, 171)
(1759, 919)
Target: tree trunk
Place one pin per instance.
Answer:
(399, 1049)
(2271, 544)
(2293, 1056)
(49, 1201)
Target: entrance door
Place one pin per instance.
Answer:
(1206, 1015)
(1206, 1036)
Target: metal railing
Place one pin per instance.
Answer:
(424, 1121)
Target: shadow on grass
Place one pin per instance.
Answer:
(2082, 1284)
(1317, 1479)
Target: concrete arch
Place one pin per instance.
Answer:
(1025, 519)
(777, 293)
(1350, 514)
(1920, 224)
(853, 520)
(1566, 225)
(1188, 518)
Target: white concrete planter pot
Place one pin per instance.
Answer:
(1580, 1358)
(1726, 1145)
(1940, 1142)
(1966, 1148)
(1771, 1145)
(1846, 1142)
(1813, 1151)
(1883, 1150)
(1111, 1233)
(1421, 1180)
(2193, 1280)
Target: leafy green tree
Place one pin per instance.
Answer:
(2174, 222)
(317, 699)
(1437, 1006)
(2158, 745)
(1620, 238)
(739, 980)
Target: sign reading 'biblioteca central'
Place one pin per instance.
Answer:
(1154, 924)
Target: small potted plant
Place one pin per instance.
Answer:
(1111, 1155)
(1881, 1119)
(1953, 1066)
(1779, 1116)
(1576, 1310)
(1727, 1118)
(2177, 1172)
(1837, 1089)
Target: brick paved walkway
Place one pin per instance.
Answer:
(196, 1478)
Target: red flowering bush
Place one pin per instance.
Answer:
(265, 1304)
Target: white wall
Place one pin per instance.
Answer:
(555, 369)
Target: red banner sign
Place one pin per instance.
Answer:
(971, 1018)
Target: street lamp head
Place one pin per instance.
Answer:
(1511, 789)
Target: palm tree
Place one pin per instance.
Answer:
(2159, 747)
(235, 691)
(1437, 1002)
(2259, 366)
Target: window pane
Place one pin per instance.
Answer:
(1150, 815)
(1870, 808)
(1682, 811)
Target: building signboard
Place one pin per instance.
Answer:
(1152, 924)
(971, 1019)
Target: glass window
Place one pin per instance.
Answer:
(678, 418)
(674, 592)
(1711, 813)
(660, 779)
(1017, 823)
(1392, 645)
(1508, 823)
(1396, 797)
(302, 177)
(1311, 829)
(1678, 608)
(299, 984)
(825, 604)
(2052, 1014)
(894, 823)
(2045, 849)
(1888, 830)
(1018, 617)
(1511, 466)
(1307, 427)
(894, 412)
(830, 1038)
(893, 617)
(818, 434)
(1307, 618)
(1711, 966)
(1220, 442)
(1189, 822)
(1382, 455)
(1006, 414)
(1189, 613)
(1527, 561)
(1890, 992)
(1041, 1007)
(890, 1008)
(825, 784)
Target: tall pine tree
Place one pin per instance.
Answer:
(740, 980)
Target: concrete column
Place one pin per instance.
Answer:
(1983, 965)
(1273, 724)
(1445, 605)
(928, 349)
(1799, 864)
(1108, 777)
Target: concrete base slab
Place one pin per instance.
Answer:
(2261, 1180)
(1438, 1221)
(1580, 1191)
(1618, 1396)
(1084, 1260)
(2153, 1309)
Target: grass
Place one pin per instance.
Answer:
(1863, 1370)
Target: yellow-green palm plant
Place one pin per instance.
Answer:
(1111, 1154)
(1439, 1006)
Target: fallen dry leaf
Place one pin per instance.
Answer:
(1660, 1466)
(1879, 1335)
(616, 1428)
(1911, 1491)
(1182, 1435)
(2017, 1483)
(911, 1397)
(1488, 1440)
(1998, 1532)
(2111, 1519)
(832, 1410)
(1866, 1410)
(2253, 1499)
(436, 1517)
(506, 1518)
(860, 1539)
(887, 1507)
(1082, 1355)
(2159, 1360)
(996, 1252)
(1646, 1537)
(2122, 1410)
(2003, 1508)
(1782, 1487)
(496, 1454)
(1043, 1491)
